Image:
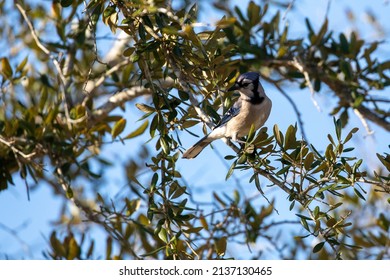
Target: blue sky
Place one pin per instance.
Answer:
(31, 219)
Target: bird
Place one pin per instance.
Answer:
(253, 107)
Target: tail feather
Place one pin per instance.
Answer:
(195, 150)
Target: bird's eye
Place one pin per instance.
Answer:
(245, 84)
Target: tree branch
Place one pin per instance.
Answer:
(125, 95)
(53, 59)
(342, 90)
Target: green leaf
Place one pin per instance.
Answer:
(253, 12)
(153, 126)
(90, 249)
(292, 205)
(178, 192)
(344, 43)
(143, 220)
(57, 246)
(318, 247)
(329, 153)
(226, 22)
(220, 246)
(217, 198)
(239, 14)
(283, 170)
(317, 85)
(309, 27)
(134, 57)
(21, 65)
(346, 68)
(290, 138)
(303, 217)
(163, 235)
(343, 180)
(118, 128)
(164, 144)
(43, 99)
(193, 230)
(129, 51)
(145, 108)
(6, 68)
(231, 169)
(108, 247)
(344, 117)
(278, 135)
(356, 165)
(385, 160)
(316, 212)
(69, 192)
(66, 3)
(305, 224)
(153, 252)
(142, 32)
(308, 161)
(350, 134)
(138, 131)
(73, 250)
(192, 13)
(331, 140)
(251, 133)
(322, 32)
(327, 187)
(153, 183)
(358, 193)
(132, 206)
(336, 205)
(242, 159)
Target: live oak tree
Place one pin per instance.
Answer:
(65, 96)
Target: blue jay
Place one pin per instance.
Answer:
(252, 107)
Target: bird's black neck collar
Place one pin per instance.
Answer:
(256, 98)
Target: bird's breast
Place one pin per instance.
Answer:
(255, 114)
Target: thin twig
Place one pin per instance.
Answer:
(93, 84)
(15, 234)
(53, 59)
(17, 151)
(40, 45)
(363, 120)
(300, 68)
(288, 9)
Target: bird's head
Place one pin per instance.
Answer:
(247, 83)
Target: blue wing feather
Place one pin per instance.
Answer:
(231, 113)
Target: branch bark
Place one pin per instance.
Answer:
(341, 89)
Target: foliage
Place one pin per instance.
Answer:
(62, 103)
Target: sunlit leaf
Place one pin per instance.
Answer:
(74, 249)
(308, 161)
(21, 66)
(163, 235)
(278, 135)
(384, 160)
(140, 130)
(118, 127)
(6, 68)
(220, 246)
(145, 108)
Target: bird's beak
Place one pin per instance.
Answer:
(234, 87)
